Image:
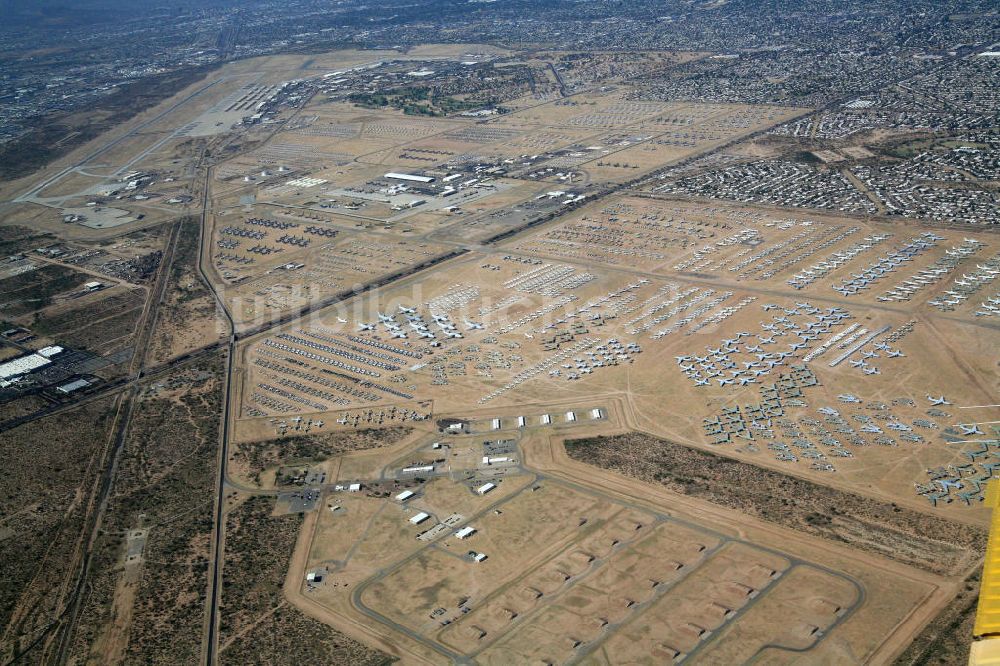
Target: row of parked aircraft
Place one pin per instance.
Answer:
(887, 264)
(933, 273)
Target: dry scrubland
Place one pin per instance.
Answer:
(15, 238)
(933, 544)
(289, 638)
(42, 497)
(104, 326)
(164, 482)
(251, 459)
(34, 290)
(947, 638)
(188, 315)
(257, 624)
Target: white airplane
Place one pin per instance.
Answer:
(472, 325)
(972, 429)
(407, 310)
(937, 401)
(341, 320)
(366, 327)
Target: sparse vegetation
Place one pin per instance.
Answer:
(95, 325)
(914, 538)
(165, 482)
(50, 468)
(286, 637)
(417, 101)
(36, 289)
(258, 548)
(256, 624)
(252, 458)
(187, 318)
(947, 639)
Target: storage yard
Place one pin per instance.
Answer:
(431, 297)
